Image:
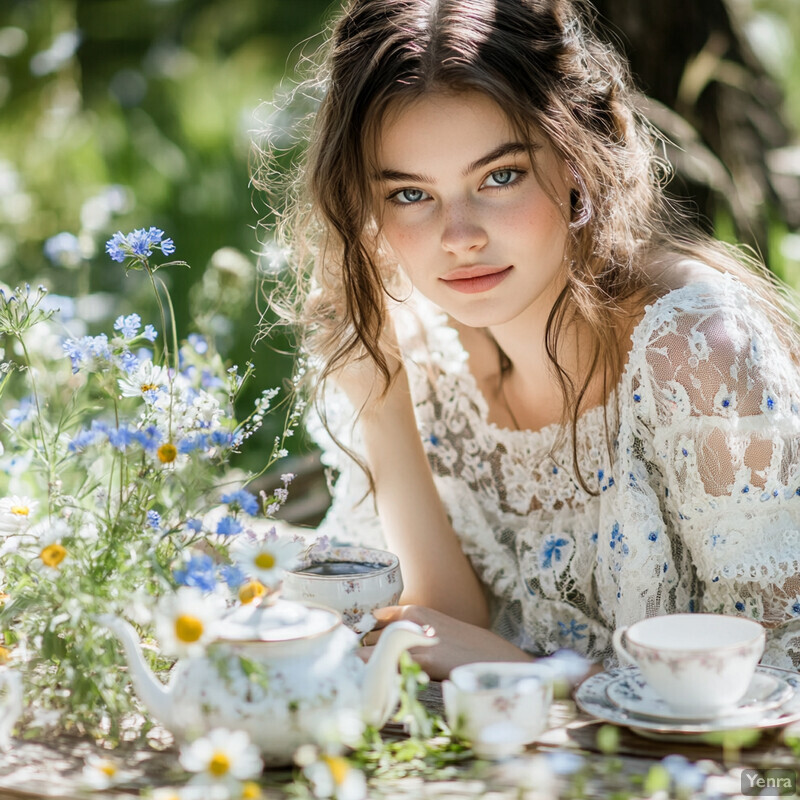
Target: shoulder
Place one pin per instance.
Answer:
(709, 346)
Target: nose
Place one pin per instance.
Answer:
(463, 231)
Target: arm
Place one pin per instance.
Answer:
(725, 400)
(436, 573)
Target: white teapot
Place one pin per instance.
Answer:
(275, 671)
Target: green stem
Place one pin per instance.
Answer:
(39, 417)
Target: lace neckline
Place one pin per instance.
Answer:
(548, 434)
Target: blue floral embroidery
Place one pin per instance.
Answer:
(652, 536)
(616, 536)
(745, 490)
(434, 440)
(739, 606)
(770, 403)
(573, 630)
(726, 403)
(636, 398)
(552, 548)
(685, 451)
(796, 608)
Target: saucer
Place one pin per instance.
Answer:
(633, 694)
(592, 698)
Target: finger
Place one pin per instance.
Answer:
(371, 639)
(364, 652)
(387, 614)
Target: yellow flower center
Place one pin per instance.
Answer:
(167, 453)
(148, 387)
(5, 655)
(20, 511)
(188, 629)
(219, 764)
(338, 767)
(251, 790)
(53, 555)
(250, 591)
(264, 560)
(107, 768)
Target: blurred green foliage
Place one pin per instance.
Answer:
(120, 114)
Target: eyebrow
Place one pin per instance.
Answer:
(505, 149)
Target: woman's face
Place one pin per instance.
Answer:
(478, 228)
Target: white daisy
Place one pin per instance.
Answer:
(266, 559)
(222, 757)
(186, 621)
(99, 773)
(147, 382)
(16, 513)
(334, 776)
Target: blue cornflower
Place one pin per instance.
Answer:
(23, 412)
(232, 575)
(194, 525)
(208, 380)
(128, 326)
(199, 572)
(138, 244)
(154, 519)
(150, 333)
(192, 443)
(87, 349)
(198, 342)
(115, 247)
(228, 526)
(129, 361)
(220, 438)
(82, 440)
(120, 438)
(552, 549)
(244, 500)
(686, 776)
(149, 438)
(64, 250)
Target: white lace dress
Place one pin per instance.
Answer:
(697, 510)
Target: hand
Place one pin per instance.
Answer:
(459, 642)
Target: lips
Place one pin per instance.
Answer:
(476, 278)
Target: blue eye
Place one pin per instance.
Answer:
(503, 177)
(407, 197)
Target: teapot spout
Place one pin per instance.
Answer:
(381, 691)
(156, 697)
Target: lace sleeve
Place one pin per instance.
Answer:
(719, 397)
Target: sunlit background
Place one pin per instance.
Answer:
(120, 114)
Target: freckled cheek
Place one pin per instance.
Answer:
(406, 239)
(532, 222)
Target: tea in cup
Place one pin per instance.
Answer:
(498, 706)
(351, 580)
(700, 664)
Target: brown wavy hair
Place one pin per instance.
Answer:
(544, 64)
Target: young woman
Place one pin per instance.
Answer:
(562, 408)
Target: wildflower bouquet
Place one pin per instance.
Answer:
(116, 495)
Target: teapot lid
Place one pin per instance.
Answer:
(281, 621)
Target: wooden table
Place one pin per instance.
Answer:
(52, 768)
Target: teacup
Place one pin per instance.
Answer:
(697, 663)
(351, 580)
(498, 706)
